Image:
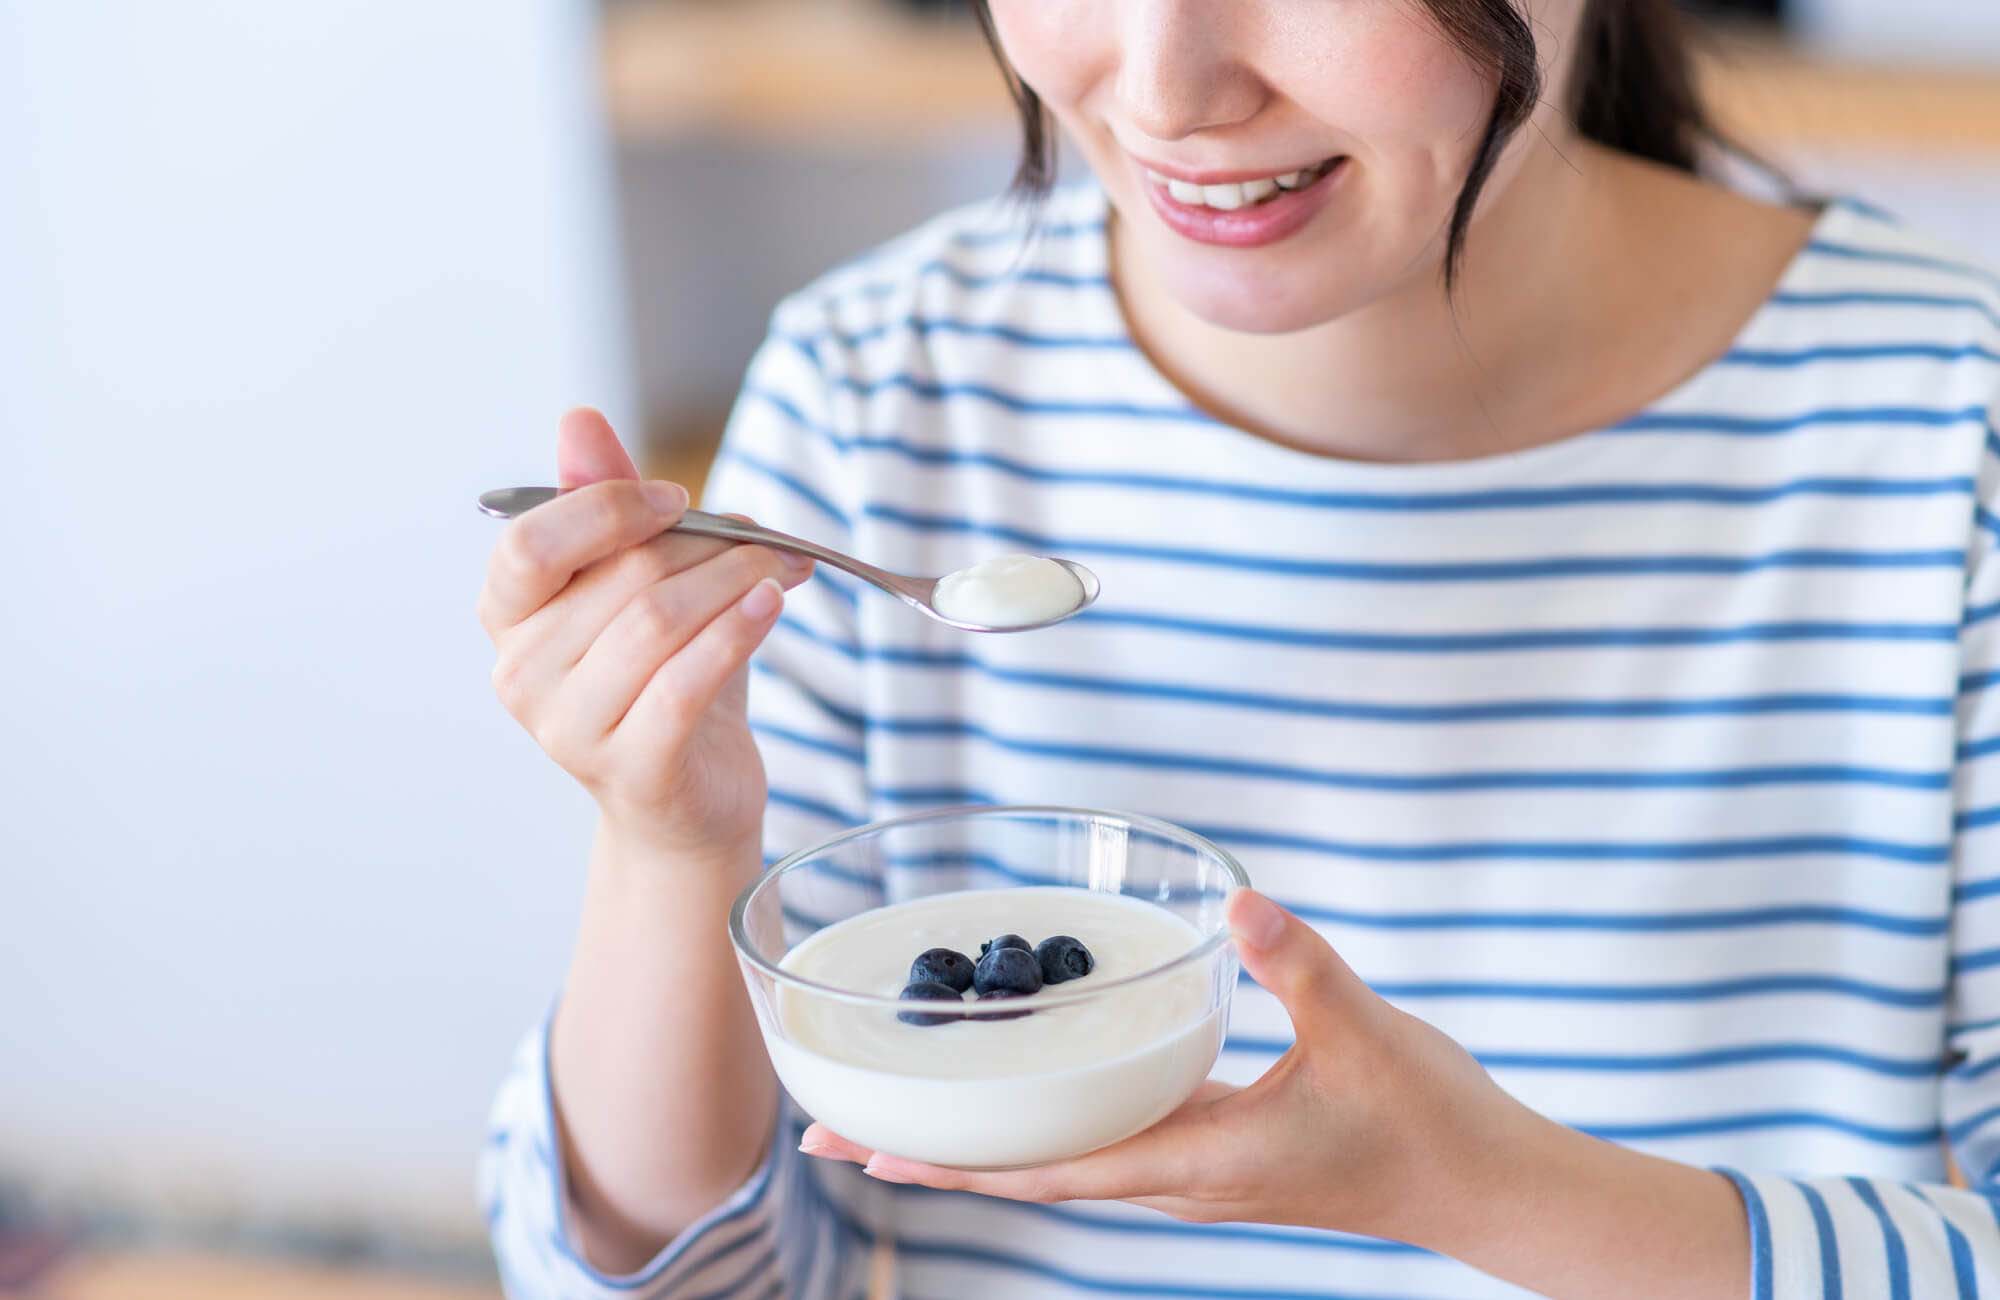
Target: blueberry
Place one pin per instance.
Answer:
(1006, 941)
(995, 996)
(1063, 958)
(942, 966)
(928, 991)
(1012, 969)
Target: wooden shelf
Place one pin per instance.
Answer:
(854, 74)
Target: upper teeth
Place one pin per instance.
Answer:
(1233, 195)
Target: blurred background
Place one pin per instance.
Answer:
(282, 287)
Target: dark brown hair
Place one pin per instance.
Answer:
(1634, 90)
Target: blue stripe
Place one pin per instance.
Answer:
(1526, 498)
(1586, 494)
(1986, 519)
(1975, 682)
(1613, 922)
(976, 280)
(831, 748)
(1578, 638)
(1766, 426)
(1425, 643)
(1033, 231)
(931, 390)
(1163, 1226)
(1829, 1241)
(814, 807)
(1506, 850)
(1586, 851)
(1892, 1240)
(1867, 209)
(1980, 613)
(926, 326)
(1699, 991)
(1889, 257)
(762, 1263)
(1482, 711)
(1964, 1129)
(1416, 782)
(1782, 358)
(1979, 748)
(1976, 818)
(1926, 1135)
(967, 1253)
(1712, 1059)
(1975, 891)
(1871, 298)
(1638, 923)
(1561, 566)
(1963, 1268)
(1717, 1058)
(732, 453)
(1760, 1236)
(1975, 961)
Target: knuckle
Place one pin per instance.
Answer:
(659, 614)
(510, 683)
(524, 548)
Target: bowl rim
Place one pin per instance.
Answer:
(746, 952)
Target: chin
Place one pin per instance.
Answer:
(1236, 298)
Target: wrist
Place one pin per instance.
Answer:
(638, 840)
(1565, 1214)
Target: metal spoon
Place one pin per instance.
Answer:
(918, 593)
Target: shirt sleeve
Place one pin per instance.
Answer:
(1826, 1238)
(777, 1235)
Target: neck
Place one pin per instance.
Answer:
(1570, 310)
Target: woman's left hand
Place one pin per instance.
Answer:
(1353, 1128)
(1375, 1123)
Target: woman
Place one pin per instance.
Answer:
(1566, 584)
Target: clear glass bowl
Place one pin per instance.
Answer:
(1089, 1064)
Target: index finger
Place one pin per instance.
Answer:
(542, 550)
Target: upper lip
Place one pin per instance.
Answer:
(1223, 176)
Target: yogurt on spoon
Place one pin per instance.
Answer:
(1009, 591)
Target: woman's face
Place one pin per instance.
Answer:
(1275, 163)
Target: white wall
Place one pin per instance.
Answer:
(282, 286)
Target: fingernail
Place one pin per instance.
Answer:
(815, 1149)
(667, 498)
(1255, 919)
(762, 601)
(876, 1171)
(794, 562)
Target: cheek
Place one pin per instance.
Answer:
(1401, 93)
(1058, 47)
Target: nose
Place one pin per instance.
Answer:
(1180, 69)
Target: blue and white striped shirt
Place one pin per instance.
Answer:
(1660, 766)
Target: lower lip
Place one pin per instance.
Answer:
(1247, 227)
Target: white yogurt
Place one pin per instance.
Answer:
(998, 1093)
(1009, 591)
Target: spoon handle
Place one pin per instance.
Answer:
(506, 503)
(700, 523)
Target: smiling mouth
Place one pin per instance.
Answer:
(1232, 195)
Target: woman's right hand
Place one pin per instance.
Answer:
(623, 648)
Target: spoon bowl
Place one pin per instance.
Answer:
(918, 593)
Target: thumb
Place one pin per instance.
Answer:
(1289, 958)
(587, 451)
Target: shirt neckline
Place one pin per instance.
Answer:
(1243, 443)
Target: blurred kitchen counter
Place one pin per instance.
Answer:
(178, 1276)
(828, 72)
